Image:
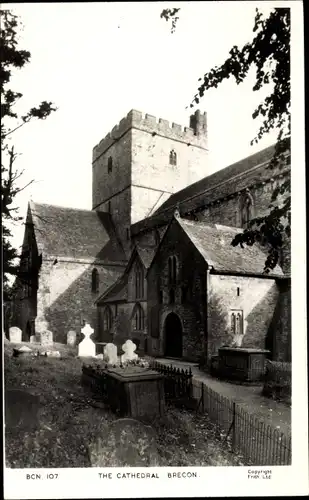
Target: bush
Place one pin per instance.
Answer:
(278, 381)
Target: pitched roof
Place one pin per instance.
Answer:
(117, 292)
(71, 232)
(224, 182)
(213, 242)
(221, 176)
(146, 254)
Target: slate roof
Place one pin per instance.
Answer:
(221, 176)
(116, 292)
(224, 182)
(146, 254)
(76, 233)
(213, 241)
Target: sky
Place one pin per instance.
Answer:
(97, 61)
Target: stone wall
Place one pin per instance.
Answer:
(191, 310)
(65, 298)
(122, 328)
(255, 297)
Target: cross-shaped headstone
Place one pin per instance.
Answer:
(87, 347)
(129, 355)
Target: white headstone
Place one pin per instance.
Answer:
(71, 338)
(87, 347)
(110, 354)
(15, 334)
(129, 354)
(46, 338)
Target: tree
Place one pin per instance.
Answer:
(12, 58)
(269, 53)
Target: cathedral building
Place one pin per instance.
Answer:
(153, 260)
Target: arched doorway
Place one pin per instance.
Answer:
(173, 336)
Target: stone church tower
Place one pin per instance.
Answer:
(141, 162)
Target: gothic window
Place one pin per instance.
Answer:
(139, 281)
(173, 157)
(107, 319)
(237, 323)
(138, 318)
(172, 270)
(246, 210)
(110, 164)
(157, 237)
(95, 281)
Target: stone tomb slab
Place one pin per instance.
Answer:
(136, 392)
(126, 443)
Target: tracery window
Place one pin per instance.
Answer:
(172, 270)
(139, 281)
(107, 319)
(138, 318)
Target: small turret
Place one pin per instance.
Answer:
(198, 122)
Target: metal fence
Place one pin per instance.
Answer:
(256, 441)
(177, 382)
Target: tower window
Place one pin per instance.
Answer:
(173, 157)
(95, 281)
(110, 164)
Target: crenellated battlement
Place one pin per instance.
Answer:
(195, 135)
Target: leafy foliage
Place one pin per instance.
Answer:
(12, 58)
(269, 53)
(170, 14)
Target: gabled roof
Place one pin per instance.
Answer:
(213, 242)
(146, 254)
(76, 233)
(118, 291)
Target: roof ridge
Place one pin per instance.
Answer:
(63, 206)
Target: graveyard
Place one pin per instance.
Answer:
(52, 419)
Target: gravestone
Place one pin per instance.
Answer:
(21, 410)
(46, 338)
(71, 338)
(110, 354)
(127, 443)
(32, 339)
(15, 334)
(129, 351)
(86, 348)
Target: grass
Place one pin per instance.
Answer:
(68, 420)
